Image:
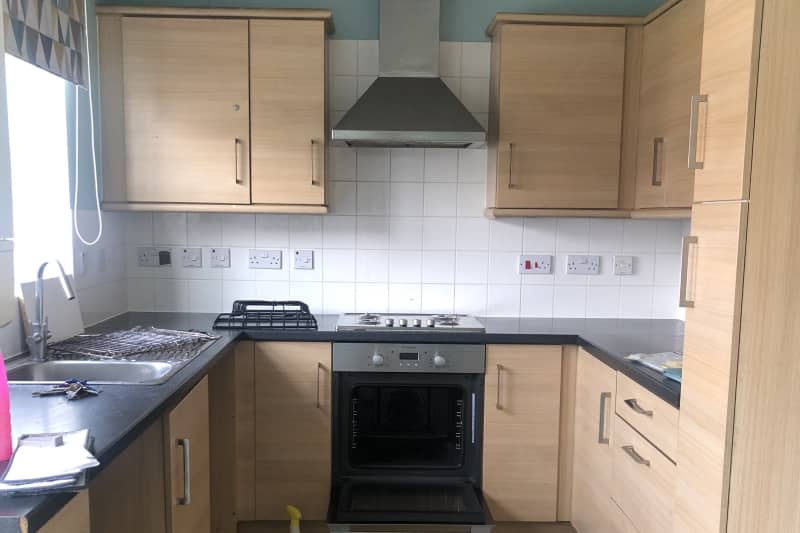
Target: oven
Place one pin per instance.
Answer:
(407, 436)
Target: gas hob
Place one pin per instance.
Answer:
(409, 322)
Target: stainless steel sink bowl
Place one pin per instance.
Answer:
(95, 372)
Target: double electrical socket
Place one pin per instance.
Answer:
(583, 264)
(268, 259)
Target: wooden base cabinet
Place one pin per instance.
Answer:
(128, 495)
(73, 518)
(521, 432)
(188, 469)
(593, 510)
(292, 429)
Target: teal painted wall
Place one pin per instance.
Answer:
(461, 20)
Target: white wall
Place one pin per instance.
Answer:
(100, 275)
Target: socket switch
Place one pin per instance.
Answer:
(269, 259)
(623, 265)
(304, 259)
(583, 264)
(220, 258)
(534, 264)
(192, 258)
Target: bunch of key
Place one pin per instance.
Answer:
(74, 390)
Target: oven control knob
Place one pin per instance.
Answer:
(439, 361)
(403, 322)
(389, 322)
(430, 322)
(377, 359)
(417, 322)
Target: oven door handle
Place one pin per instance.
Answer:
(472, 421)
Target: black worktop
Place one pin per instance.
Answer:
(121, 413)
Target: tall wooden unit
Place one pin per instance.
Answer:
(714, 263)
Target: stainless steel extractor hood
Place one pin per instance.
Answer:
(408, 105)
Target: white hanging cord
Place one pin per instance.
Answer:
(77, 145)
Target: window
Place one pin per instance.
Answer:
(37, 128)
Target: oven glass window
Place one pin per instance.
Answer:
(407, 426)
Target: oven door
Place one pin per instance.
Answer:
(406, 501)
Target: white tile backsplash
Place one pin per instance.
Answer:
(406, 233)
(367, 58)
(441, 164)
(450, 59)
(406, 199)
(343, 57)
(372, 164)
(407, 164)
(343, 92)
(475, 59)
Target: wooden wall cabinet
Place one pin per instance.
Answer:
(292, 429)
(728, 77)
(287, 87)
(185, 86)
(521, 432)
(188, 468)
(191, 97)
(555, 116)
(670, 77)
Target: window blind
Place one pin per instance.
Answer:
(50, 34)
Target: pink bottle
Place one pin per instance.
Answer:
(5, 414)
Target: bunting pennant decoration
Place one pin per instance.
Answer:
(50, 34)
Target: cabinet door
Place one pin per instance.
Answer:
(189, 468)
(593, 510)
(73, 518)
(560, 115)
(128, 495)
(186, 110)
(710, 351)
(521, 432)
(293, 429)
(731, 37)
(287, 78)
(670, 77)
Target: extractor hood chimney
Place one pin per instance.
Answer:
(409, 105)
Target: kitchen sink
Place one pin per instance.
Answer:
(95, 372)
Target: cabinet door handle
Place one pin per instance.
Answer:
(313, 173)
(187, 472)
(636, 408)
(319, 369)
(688, 240)
(510, 165)
(631, 451)
(693, 123)
(236, 143)
(601, 430)
(499, 405)
(655, 179)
